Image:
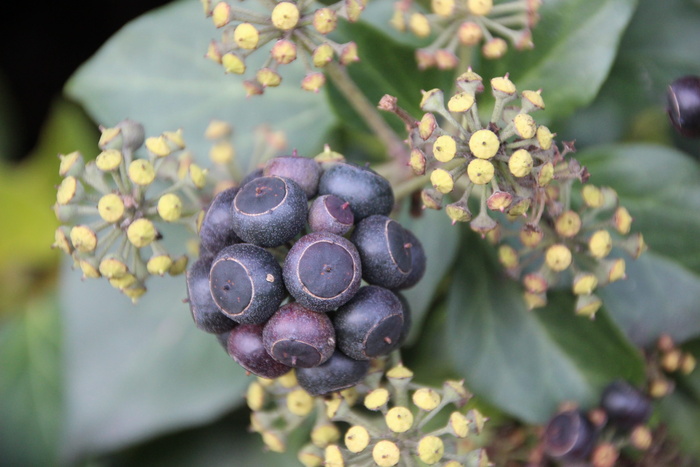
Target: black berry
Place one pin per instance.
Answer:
(331, 214)
(304, 171)
(246, 283)
(370, 324)
(385, 250)
(337, 373)
(299, 337)
(206, 315)
(245, 346)
(569, 436)
(269, 211)
(625, 405)
(367, 192)
(407, 317)
(684, 105)
(322, 271)
(418, 260)
(217, 227)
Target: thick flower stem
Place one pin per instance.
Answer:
(369, 113)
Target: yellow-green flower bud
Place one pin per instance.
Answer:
(113, 267)
(502, 87)
(386, 453)
(484, 144)
(232, 63)
(141, 172)
(641, 437)
(499, 200)
(158, 146)
(480, 7)
(158, 265)
(520, 163)
(444, 149)
(568, 224)
(255, 396)
(519, 207)
(480, 171)
(268, 77)
(430, 449)
(532, 100)
(433, 101)
(310, 456)
(600, 244)
(333, 457)
(61, 240)
(531, 236)
(688, 363)
(592, 196)
(285, 16)
(69, 190)
(83, 238)
(558, 257)
(170, 207)
(288, 380)
(89, 269)
(246, 36)
(179, 266)
(622, 220)
(348, 54)
(357, 438)
(545, 173)
(322, 55)
(300, 402)
(458, 212)
(426, 399)
(525, 125)
(459, 425)
(432, 199)
(442, 180)
(123, 282)
(445, 59)
(376, 399)
(587, 305)
(109, 160)
(213, 52)
(110, 138)
(427, 126)
(111, 207)
(399, 372)
(221, 14)
(533, 300)
(508, 256)
(494, 48)
(313, 82)
(419, 25)
(469, 33)
(584, 283)
(274, 441)
(425, 58)
(399, 419)
(325, 20)
(218, 129)
(71, 164)
(222, 152)
(535, 283)
(454, 392)
(353, 9)
(141, 232)
(544, 137)
(443, 8)
(284, 52)
(325, 434)
(460, 102)
(198, 176)
(417, 161)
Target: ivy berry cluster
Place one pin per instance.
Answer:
(281, 269)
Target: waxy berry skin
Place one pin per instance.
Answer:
(206, 315)
(217, 230)
(625, 405)
(322, 271)
(337, 373)
(304, 171)
(684, 105)
(246, 283)
(569, 436)
(245, 346)
(367, 192)
(328, 213)
(269, 211)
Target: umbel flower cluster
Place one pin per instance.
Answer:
(301, 268)
(454, 25)
(549, 234)
(112, 208)
(295, 29)
(386, 420)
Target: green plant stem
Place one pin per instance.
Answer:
(369, 113)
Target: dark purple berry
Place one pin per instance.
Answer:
(569, 436)
(245, 346)
(329, 213)
(385, 250)
(269, 211)
(407, 317)
(418, 260)
(684, 105)
(322, 271)
(367, 192)
(299, 337)
(246, 283)
(625, 405)
(206, 315)
(217, 227)
(370, 324)
(304, 171)
(337, 373)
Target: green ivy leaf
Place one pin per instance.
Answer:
(575, 45)
(30, 385)
(153, 71)
(527, 362)
(133, 372)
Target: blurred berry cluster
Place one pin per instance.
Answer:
(550, 235)
(111, 207)
(295, 29)
(386, 420)
(467, 24)
(282, 262)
